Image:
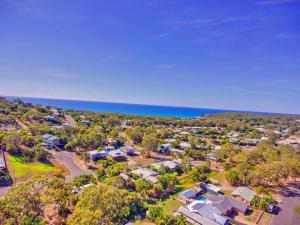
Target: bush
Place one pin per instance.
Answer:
(83, 180)
(4, 177)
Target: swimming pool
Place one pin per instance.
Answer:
(201, 198)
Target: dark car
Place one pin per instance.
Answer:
(273, 209)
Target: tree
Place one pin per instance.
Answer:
(181, 220)
(150, 144)
(168, 180)
(233, 177)
(227, 151)
(255, 201)
(4, 177)
(155, 213)
(33, 201)
(100, 174)
(83, 180)
(102, 204)
(265, 202)
(135, 134)
(143, 187)
(198, 173)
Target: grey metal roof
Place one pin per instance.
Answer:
(225, 204)
(208, 211)
(46, 136)
(245, 193)
(194, 218)
(189, 193)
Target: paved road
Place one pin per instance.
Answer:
(287, 215)
(67, 158)
(4, 190)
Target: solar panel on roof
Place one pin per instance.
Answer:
(197, 206)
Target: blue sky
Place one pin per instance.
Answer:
(232, 54)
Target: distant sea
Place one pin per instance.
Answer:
(125, 108)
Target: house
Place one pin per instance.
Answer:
(170, 140)
(117, 155)
(51, 119)
(169, 164)
(212, 157)
(126, 123)
(111, 142)
(252, 141)
(193, 218)
(178, 151)
(146, 174)
(130, 150)
(51, 140)
(227, 205)
(184, 145)
(165, 148)
(234, 140)
(96, 155)
(210, 188)
(54, 112)
(2, 161)
(85, 123)
(188, 195)
(243, 194)
(109, 148)
(67, 125)
(217, 208)
(212, 213)
(177, 161)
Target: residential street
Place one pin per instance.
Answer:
(287, 215)
(67, 158)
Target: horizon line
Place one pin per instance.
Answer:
(143, 104)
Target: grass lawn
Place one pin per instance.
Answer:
(217, 177)
(226, 193)
(170, 205)
(143, 222)
(20, 169)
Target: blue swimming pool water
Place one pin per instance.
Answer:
(201, 198)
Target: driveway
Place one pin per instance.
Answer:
(4, 190)
(67, 158)
(287, 215)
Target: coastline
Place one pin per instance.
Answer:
(129, 108)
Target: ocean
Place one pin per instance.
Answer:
(125, 108)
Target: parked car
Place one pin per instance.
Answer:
(273, 209)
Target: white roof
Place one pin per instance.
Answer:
(185, 145)
(115, 153)
(169, 164)
(144, 172)
(170, 140)
(213, 188)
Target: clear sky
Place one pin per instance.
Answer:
(233, 54)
